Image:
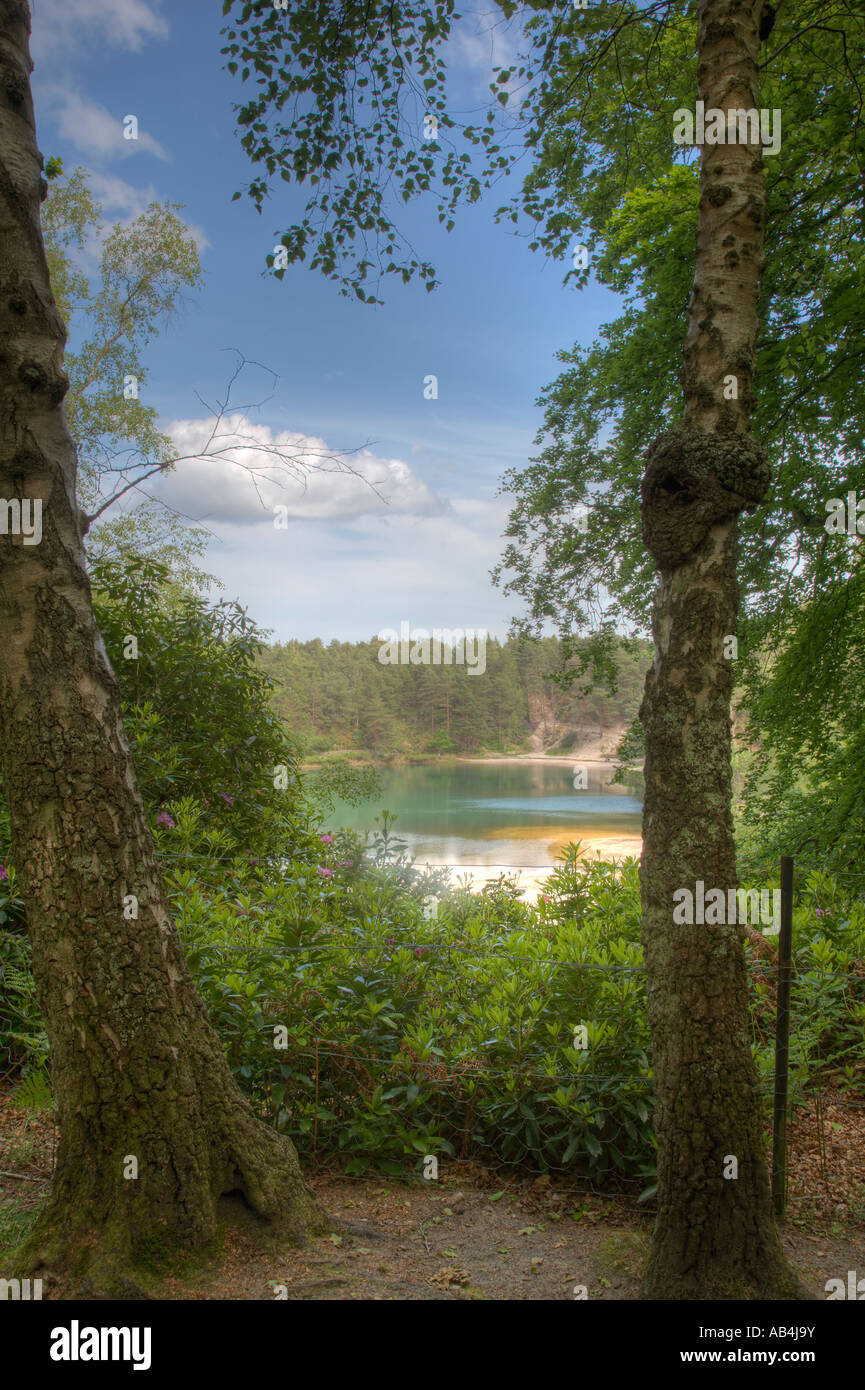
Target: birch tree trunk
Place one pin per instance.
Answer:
(715, 1235)
(140, 1079)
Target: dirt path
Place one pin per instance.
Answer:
(407, 1242)
(446, 1241)
(473, 1233)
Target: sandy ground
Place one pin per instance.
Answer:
(607, 847)
(541, 758)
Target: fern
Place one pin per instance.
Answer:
(17, 981)
(34, 1092)
(22, 1036)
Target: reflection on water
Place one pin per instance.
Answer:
(508, 814)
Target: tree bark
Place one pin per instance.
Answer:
(137, 1070)
(715, 1235)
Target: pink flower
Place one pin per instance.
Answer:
(4, 872)
(229, 800)
(325, 873)
(164, 819)
(327, 839)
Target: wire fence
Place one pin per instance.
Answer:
(434, 949)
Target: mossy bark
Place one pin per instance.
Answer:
(715, 1235)
(141, 1081)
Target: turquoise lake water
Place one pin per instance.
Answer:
(494, 814)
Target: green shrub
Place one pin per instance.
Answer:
(407, 1034)
(371, 1012)
(827, 1041)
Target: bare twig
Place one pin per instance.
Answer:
(298, 460)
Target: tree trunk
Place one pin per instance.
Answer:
(715, 1236)
(140, 1079)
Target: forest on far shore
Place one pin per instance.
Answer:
(340, 695)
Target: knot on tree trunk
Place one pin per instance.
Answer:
(693, 481)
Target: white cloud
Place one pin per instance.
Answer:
(121, 201)
(246, 470)
(94, 129)
(346, 565)
(350, 581)
(61, 27)
(482, 42)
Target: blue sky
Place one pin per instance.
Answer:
(350, 376)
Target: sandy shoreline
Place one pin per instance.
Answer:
(610, 848)
(536, 759)
(531, 880)
(540, 759)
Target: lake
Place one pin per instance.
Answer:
(482, 817)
